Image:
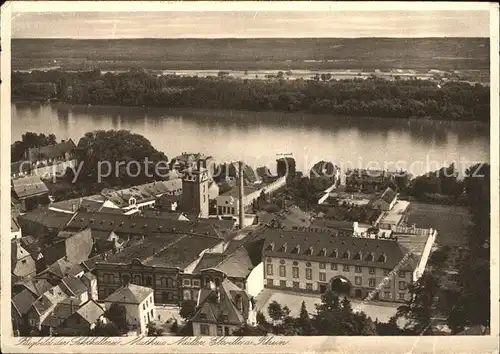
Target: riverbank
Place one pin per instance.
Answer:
(408, 99)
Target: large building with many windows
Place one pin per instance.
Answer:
(316, 262)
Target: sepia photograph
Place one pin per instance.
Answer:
(208, 175)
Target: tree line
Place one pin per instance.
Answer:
(376, 97)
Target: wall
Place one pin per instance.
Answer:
(137, 314)
(425, 255)
(255, 280)
(24, 267)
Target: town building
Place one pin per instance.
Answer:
(23, 265)
(228, 202)
(316, 262)
(139, 303)
(21, 304)
(195, 199)
(30, 192)
(80, 321)
(221, 309)
(44, 306)
(386, 201)
(368, 181)
(43, 222)
(46, 161)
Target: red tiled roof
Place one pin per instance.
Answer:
(130, 294)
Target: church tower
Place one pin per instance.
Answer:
(195, 192)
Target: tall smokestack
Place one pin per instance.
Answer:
(240, 193)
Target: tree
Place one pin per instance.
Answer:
(390, 328)
(304, 324)
(188, 309)
(154, 329)
(118, 315)
(275, 312)
(248, 330)
(419, 309)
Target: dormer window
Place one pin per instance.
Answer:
(203, 316)
(309, 251)
(369, 257)
(283, 248)
(270, 247)
(346, 255)
(382, 258)
(322, 252)
(296, 250)
(357, 256)
(334, 254)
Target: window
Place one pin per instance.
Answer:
(345, 255)
(401, 296)
(369, 257)
(196, 282)
(152, 314)
(345, 268)
(387, 284)
(357, 280)
(322, 266)
(333, 266)
(334, 254)
(309, 274)
(186, 282)
(295, 272)
(402, 274)
(295, 263)
(269, 260)
(309, 286)
(387, 294)
(357, 269)
(283, 283)
(23, 261)
(402, 285)
(269, 269)
(137, 279)
(204, 329)
(282, 271)
(322, 276)
(187, 295)
(125, 279)
(226, 331)
(296, 285)
(149, 280)
(143, 306)
(308, 264)
(386, 272)
(219, 330)
(371, 270)
(270, 282)
(371, 282)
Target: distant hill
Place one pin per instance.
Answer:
(242, 54)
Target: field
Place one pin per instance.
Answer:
(366, 54)
(451, 222)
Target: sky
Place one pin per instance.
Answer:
(246, 24)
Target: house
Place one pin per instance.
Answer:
(90, 281)
(75, 287)
(315, 262)
(36, 286)
(15, 229)
(20, 169)
(61, 311)
(73, 247)
(71, 206)
(62, 268)
(44, 305)
(386, 201)
(139, 303)
(43, 222)
(82, 321)
(21, 303)
(221, 309)
(51, 154)
(22, 263)
(30, 191)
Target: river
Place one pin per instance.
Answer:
(258, 137)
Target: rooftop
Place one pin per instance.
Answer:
(389, 195)
(73, 205)
(61, 312)
(247, 190)
(140, 225)
(73, 285)
(49, 218)
(130, 294)
(221, 305)
(322, 247)
(28, 186)
(23, 301)
(53, 151)
(90, 311)
(143, 192)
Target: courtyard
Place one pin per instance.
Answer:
(380, 311)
